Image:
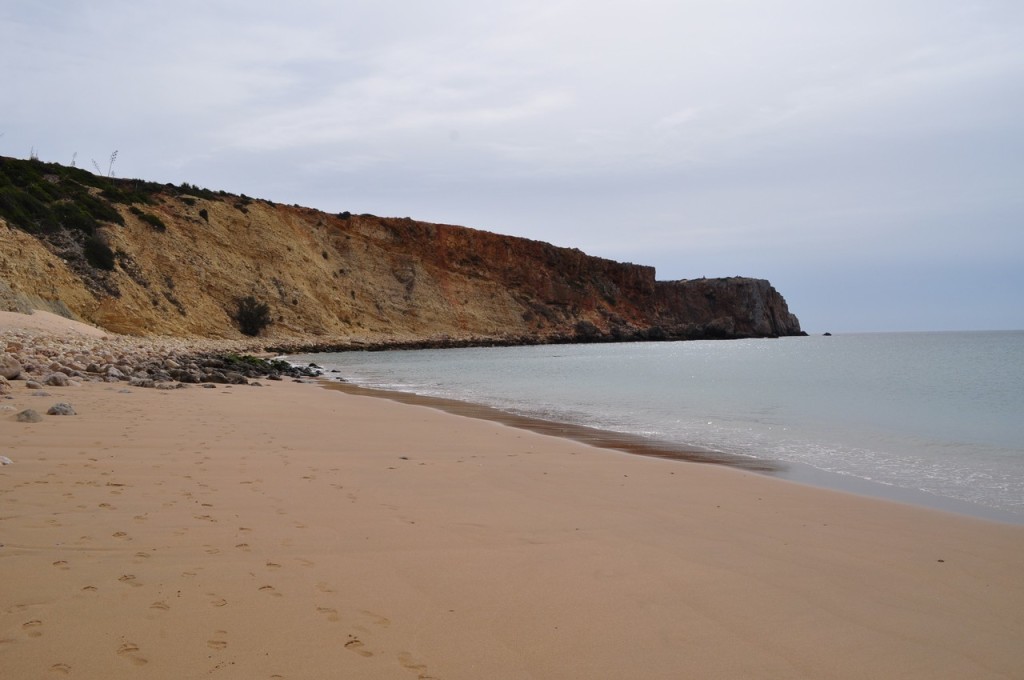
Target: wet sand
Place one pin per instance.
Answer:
(290, 531)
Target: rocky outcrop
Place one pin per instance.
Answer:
(180, 258)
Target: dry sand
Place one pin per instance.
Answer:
(290, 531)
(49, 323)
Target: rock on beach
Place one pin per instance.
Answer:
(10, 368)
(66, 359)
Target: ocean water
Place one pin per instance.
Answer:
(931, 418)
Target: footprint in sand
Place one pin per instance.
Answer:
(61, 668)
(33, 628)
(90, 589)
(330, 612)
(270, 590)
(128, 650)
(273, 565)
(142, 555)
(119, 534)
(356, 645)
(421, 669)
(243, 546)
(161, 605)
(61, 564)
(130, 580)
(217, 641)
(219, 602)
(325, 587)
(378, 619)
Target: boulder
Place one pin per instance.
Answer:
(29, 415)
(61, 409)
(10, 368)
(57, 379)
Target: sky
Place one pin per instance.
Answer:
(866, 157)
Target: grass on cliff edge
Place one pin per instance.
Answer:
(46, 198)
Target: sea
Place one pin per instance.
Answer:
(932, 419)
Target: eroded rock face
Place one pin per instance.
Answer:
(726, 308)
(366, 279)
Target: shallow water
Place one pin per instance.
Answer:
(938, 415)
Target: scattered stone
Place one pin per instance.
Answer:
(41, 393)
(10, 367)
(61, 409)
(29, 415)
(5, 387)
(209, 386)
(4, 460)
(125, 391)
(33, 385)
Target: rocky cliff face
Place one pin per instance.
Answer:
(183, 256)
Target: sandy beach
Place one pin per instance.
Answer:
(292, 531)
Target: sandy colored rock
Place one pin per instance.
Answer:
(10, 368)
(29, 415)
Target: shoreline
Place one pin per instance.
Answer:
(291, 531)
(799, 473)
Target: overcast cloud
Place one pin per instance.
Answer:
(866, 157)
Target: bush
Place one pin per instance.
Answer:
(98, 253)
(252, 315)
(149, 218)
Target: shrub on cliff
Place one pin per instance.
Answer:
(149, 218)
(98, 253)
(252, 315)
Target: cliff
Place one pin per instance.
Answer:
(146, 259)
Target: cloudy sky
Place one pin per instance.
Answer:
(865, 156)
